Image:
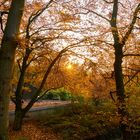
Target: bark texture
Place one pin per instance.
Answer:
(19, 115)
(7, 56)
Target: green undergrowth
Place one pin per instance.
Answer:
(82, 121)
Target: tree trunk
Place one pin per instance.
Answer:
(120, 85)
(4, 102)
(7, 55)
(19, 115)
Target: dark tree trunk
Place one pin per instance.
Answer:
(19, 112)
(19, 115)
(120, 91)
(118, 47)
(119, 74)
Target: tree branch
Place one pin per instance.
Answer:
(91, 11)
(34, 16)
(111, 95)
(45, 77)
(131, 78)
(131, 55)
(18, 62)
(131, 26)
(46, 93)
(108, 2)
(138, 70)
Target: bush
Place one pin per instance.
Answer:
(59, 94)
(64, 96)
(78, 98)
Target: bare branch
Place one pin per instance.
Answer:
(131, 78)
(91, 11)
(39, 12)
(131, 26)
(108, 2)
(131, 55)
(34, 16)
(111, 95)
(113, 2)
(18, 62)
(40, 97)
(138, 70)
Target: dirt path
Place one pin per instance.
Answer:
(47, 103)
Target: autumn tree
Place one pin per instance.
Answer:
(112, 20)
(37, 52)
(119, 44)
(25, 63)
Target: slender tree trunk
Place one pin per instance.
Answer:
(118, 47)
(19, 113)
(7, 55)
(120, 86)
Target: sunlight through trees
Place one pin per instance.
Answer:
(88, 48)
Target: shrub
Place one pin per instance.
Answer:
(51, 96)
(64, 94)
(58, 94)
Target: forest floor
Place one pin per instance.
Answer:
(31, 130)
(79, 122)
